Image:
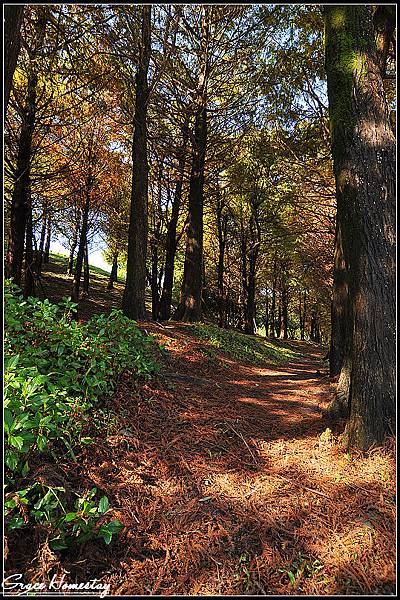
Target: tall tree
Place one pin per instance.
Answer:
(191, 309)
(133, 302)
(363, 149)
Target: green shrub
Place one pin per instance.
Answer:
(47, 508)
(56, 369)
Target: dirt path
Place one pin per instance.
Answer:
(225, 487)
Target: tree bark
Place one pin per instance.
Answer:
(86, 274)
(155, 298)
(384, 21)
(82, 242)
(70, 268)
(171, 243)
(266, 320)
(285, 303)
(278, 324)
(21, 192)
(363, 149)
(222, 223)
(250, 307)
(13, 17)
(340, 318)
(193, 270)
(29, 279)
(46, 254)
(133, 302)
(39, 258)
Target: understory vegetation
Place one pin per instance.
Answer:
(255, 350)
(56, 370)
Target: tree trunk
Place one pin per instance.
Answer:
(171, 244)
(363, 148)
(384, 28)
(222, 223)
(86, 275)
(70, 268)
(29, 279)
(266, 320)
(193, 269)
(340, 318)
(46, 254)
(13, 17)
(21, 192)
(285, 302)
(133, 302)
(250, 306)
(155, 299)
(40, 252)
(114, 272)
(82, 243)
(279, 320)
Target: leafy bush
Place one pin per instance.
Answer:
(255, 350)
(56, 368)
(66, 528)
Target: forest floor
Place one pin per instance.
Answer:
(228, 482)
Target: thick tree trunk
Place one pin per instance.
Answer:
(133, 302)
(193, 270)
(13, 17)
(363, 148)
(21, 192)
(191, 304)
(114, 272)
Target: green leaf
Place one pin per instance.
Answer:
(115, 526)
(69, 517)
(291, 577)
(105, 534)
(16, 441)
(8, 419)
(58, 544)
(103, 505)
(11, 460)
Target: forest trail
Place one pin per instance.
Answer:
(225, 487)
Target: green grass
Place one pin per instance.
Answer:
(62, 260)
(255, 350)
